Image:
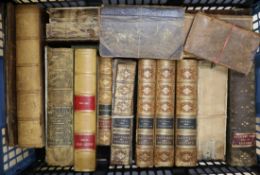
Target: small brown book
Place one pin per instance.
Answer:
(186, 113)
(104, 101)
(164, 113)
(29, 77)
(59, 148)
(145, 113)
(222, 43)
(85, 109)
(124, 72)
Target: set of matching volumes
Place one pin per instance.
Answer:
(91, 100)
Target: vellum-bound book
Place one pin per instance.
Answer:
(85, 109)
(29, 76)
(186, 113)
(222, 43)
(59, 148)
(164, 113)
(124, 72)
(145, 113)
(212, 111)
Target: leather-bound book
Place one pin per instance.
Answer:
(85, 109)
(122, 111)
(29, 76)
(241, 140)
(145, 113)
(257, 73)
(222, 43)
(10, 76)
(212, 111)
(59, 148)
(104, 101)
(164, 114)
(186, 113)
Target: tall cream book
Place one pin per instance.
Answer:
(29, 77)
(85, 109)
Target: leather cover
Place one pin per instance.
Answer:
(73, 23)
(122, 111)
(241, 126)
(59, 148)
(164, 115)
(85, 109)
(186, 113)
(128, 31)
(257, 73)
(104, 101)
(222, 43)
(212, 111)
(145, 113)
(10, 76)
(29, 76)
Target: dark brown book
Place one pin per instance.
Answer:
(145, 113)
(222, 43)
(242, 120)
(122, 111)
(186, 113)
(164, 113)
(10, 76)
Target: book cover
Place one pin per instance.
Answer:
(29, 76)
(212, 111)
(124, 72)
(164, 113)
(85, 109)
(186, 113)
(241, 140)
(59, 147)
(257, 80)
(104, 101)
(145, 113)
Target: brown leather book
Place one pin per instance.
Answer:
(145, 113)
(212, 111)
(222, 43)
(186, 113)
(124, 72)
(59, 148)
(29, 76)
(104, 101)
(164, 113)
(128, 31)
(241, 140)
(10, 76)
(85, 109)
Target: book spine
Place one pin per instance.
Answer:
(145, 112)
(122, 111)
(104, 101)
(10, 76)
(29, 81)
(59, 150)
(257, 74)
(241, 124)
(85, 110)
(164, 114)
(186, 113)
(212, 108)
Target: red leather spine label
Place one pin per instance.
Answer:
(243, 140)
(84, 103)
(84, 141)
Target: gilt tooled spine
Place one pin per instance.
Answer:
(59, 148)
(186, 113)
(122, 111)
(164, 114)
(242, 122)
(145, 113)
(104, 101)
(29, 76)
(85, 109)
